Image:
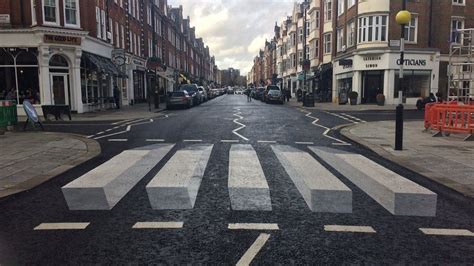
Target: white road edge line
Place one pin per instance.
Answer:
(353, 117)
(250, 254)
(62, 226)
(349, 228)
(342, 117)
(304, 143)
(446, 232)
(253, 226)
(110, 135)
(155, 140)
(158, 225)
(118, 140)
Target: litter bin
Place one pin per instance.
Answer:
(8, 115)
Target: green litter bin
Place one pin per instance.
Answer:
(8, 115)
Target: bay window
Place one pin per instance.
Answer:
(33, 13)
(327, 10)
(373, 29)
(340, 39)
(351, 34)
(327, 43)
(50, 11)
(71, 13)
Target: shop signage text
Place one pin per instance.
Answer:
(4, 18)
(372, 58)
(62, 39)
(412, 62)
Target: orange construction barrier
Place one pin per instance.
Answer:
(450, 118)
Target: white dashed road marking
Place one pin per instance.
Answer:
(446, 232)
(155, 140)
(304, 143)
(192, 140)
(62, 226)
(349, 229)
(158, 225)
(253, 226)
(266, 141)
(230, 141)
(253, 250)
(118, 140)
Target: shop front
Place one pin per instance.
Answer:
(370, 74)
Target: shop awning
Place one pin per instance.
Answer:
(104, 65)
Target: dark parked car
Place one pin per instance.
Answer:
(274, 95)
(193, 91)
(270, 88)
(259, 93)
(179, 99)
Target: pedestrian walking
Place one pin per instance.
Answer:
(287, 95)
(249, 96)
(117, 97)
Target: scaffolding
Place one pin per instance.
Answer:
(461, 66)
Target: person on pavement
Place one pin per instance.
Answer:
(117, 97)
(249, 97)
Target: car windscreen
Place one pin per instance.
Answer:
(274, 92)
(273, 88)
(177, 94)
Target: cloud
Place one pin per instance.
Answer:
(235, 30)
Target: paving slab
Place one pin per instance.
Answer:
(103, 187)
(322, 191)
(177, 184)
(248, 187)
(395, 193)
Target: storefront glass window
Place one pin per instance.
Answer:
(19, 72)
(416, 83)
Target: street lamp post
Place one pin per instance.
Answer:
(403, 18)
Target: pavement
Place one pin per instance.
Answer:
(347, 107)
(446, 160)
(199, 218)
(29, 159)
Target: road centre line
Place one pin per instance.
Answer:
(117, 140)
(192, 140)
(155, 140)
(446, 232)
(266, 141)
(253, 226)
(238, 114)
(230, 141)
(250, 254)
(158, 225)
(62, 226)
(304, 143)
(349, 229)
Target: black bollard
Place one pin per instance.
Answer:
(399, 128)
(157, 100)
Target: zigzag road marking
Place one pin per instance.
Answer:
(238, 114)
(325, 134)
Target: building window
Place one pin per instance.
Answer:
(350, 3)
(411, 30)
(300, 39)
(122, 36)
(456, 24)
(111, 30)
(340, 39)
(373, 29)
(459, 2)
(316, 19)
(308, 28)
(351, 34)
(33, 13)
(104, 26)
(293, 60)
(415, 83)
(316, 48)
(71, 13)
(327, 10)
(97, 22)
(340, 7)
(50, 11)
(327, 43)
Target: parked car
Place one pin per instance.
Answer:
(239, 92)
(230, 91)
(193, 91)
(271, 88)
(179, 99)
(274, 95)
(203, 93)
(259, 93)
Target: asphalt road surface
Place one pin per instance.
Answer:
(209, 225)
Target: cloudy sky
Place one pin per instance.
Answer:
(235, 30)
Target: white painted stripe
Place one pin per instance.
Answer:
(121, 122)
(267, 141)
(253, 226)
(304, 143)
(446, 232)
(158, 225)
(341, 144)
(129, 128)
(155, 140)
(229, 141)
(327, 130)
(110, 135)
(192, 140)
(353, 117)
(349, 228)
(253, 250)
(118, 140)
(100, 133)
(62, 226)
(108, 130)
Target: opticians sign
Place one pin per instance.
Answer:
(412, 62)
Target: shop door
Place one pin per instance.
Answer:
(373, 85)
(59, 83)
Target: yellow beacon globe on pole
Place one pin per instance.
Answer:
(403, 17)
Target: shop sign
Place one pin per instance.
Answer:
(4, 18)
(118, 57)
(412, 62)
(58, 39)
